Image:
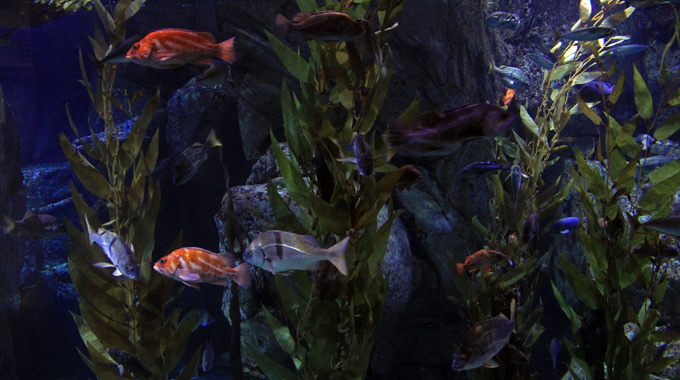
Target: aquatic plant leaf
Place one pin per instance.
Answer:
(291, 175)
(668, 127)
(151, 155)
(133, 8)
(624, 139)
(100, 365)
(189, 371)
(180, 338)
(590, 114)
(105, 17)
(659, 194)
(660, 291)
(332, 218)
(573, 317)
(377, 99)
(133, 143)
(593, 179)
(587, 77)
(290, 299)
(479, 226)
(410, 114)
(660, 364)
(626, 177)
(614, 20)
(561, 71)
(293, 62)
(584, 289)
(674, 98)
(90, 177)
(663, 173)
(291, 124)
(281, 332)
(584, 10)
(271, 369)
(510, 278)
(665, 336)
(643, 98)
(307, 6)
(284, 217)
(618, 89)
(528, 121)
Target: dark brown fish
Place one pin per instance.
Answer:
(325, 26)
(128, 362)
(529, 228)
(440, 133)
(192, 158)
(482, 342)
(34, 226)
(410, 177)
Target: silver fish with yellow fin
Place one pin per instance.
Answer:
(482, 342)
(281, 251)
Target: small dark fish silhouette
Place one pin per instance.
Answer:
(192, 158)
(440, 133)
(554, 351)
(529, 228)
(363, 157)
(503, 20)
(482, 168)
(207, 357)
(669, 225)
(34, 226)
(324, 25)
(482, 342)
(589, 34)
(593, 91)
(128, 362)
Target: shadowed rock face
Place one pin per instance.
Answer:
(12, 203)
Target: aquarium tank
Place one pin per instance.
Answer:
(339, 189)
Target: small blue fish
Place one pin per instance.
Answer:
(363, 157)
(566, 225)
(589, 34)
(503, 20)
(483, 167)
(554, 350)
(593, 91)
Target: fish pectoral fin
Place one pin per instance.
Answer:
(564, 232)
(188, 275)
(491, 364)
(103, 265)
(117, 273)
(191, 285)
(350, 160)
(165, 55)
(121, 370)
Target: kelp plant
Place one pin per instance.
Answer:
(328, 324)
(626, 277)
(524, 199)
(119, 313)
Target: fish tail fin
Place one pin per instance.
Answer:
(337, 256)
(9, 225)
(227, 52)
(460, 268)
(396, 136)
(242, 277)
(212, 140)
(281, 25)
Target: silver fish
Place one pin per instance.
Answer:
(482, 342)
(363, 157)
(669, 225)
(280, 251)
(192, 158)
(512, 77)
(121, 255)
(516, 180)
(207, 357)
(541, 61)
(503, 20)
(589, 34)
(34, 225)
(621, 50)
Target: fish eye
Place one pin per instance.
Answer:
(163, 261)
(135, 47)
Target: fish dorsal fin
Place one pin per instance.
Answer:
(227, 259)
(491, 364)
(29, 213)
(311, 240)
(207, 36)
(31, 217)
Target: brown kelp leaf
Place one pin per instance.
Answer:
(528, 121)
(151, 155)
(291, 175)
(189, 371)
(590, 114)
(90, 177)
(643, 98)
(103, 367)
(293, 62)
(618, 88)
(281, 332)
(105, 17)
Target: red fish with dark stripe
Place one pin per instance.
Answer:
(169, 48)
(191, 265)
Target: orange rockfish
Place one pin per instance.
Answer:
(191, 265)
(483, 258)
(170, 48)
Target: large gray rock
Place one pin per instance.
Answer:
(12, 204)
(398, 264)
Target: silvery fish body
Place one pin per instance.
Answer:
(323, 25)
(621, 50)
(503, 20)
(192, 158)
(363, 156)
(482, 342)
(281, 251)
(516, 180)
(589, 34)
(541, 61)
(34, 225)
(512, 77)
(120, 254)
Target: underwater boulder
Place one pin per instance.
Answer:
(398, 264)
(12, 204)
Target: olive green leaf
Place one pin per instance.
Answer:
(291, 175)
(674, 98)
(643, 98)
(90, 177)
(528, 121)
(573, 317)
(377, 99)
(594, 180)
(190, 370)
(660, 364)
(590, 114)
(271, 369)
(587, 77)
(307, 6)
(659, 195)
(618, 89)
(284, 217)
(662, 173)
(410, 114)
(668, 127)
(293, 62)
(281, 332)
(105, 16)
(584, 10)
(508, 279)
(332, 218)
(585, 290)
(133, 143)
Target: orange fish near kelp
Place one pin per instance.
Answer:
(170, 48)
(507, 98)
(191, 265)
(482, 259)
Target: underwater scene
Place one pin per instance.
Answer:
(339, 189)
